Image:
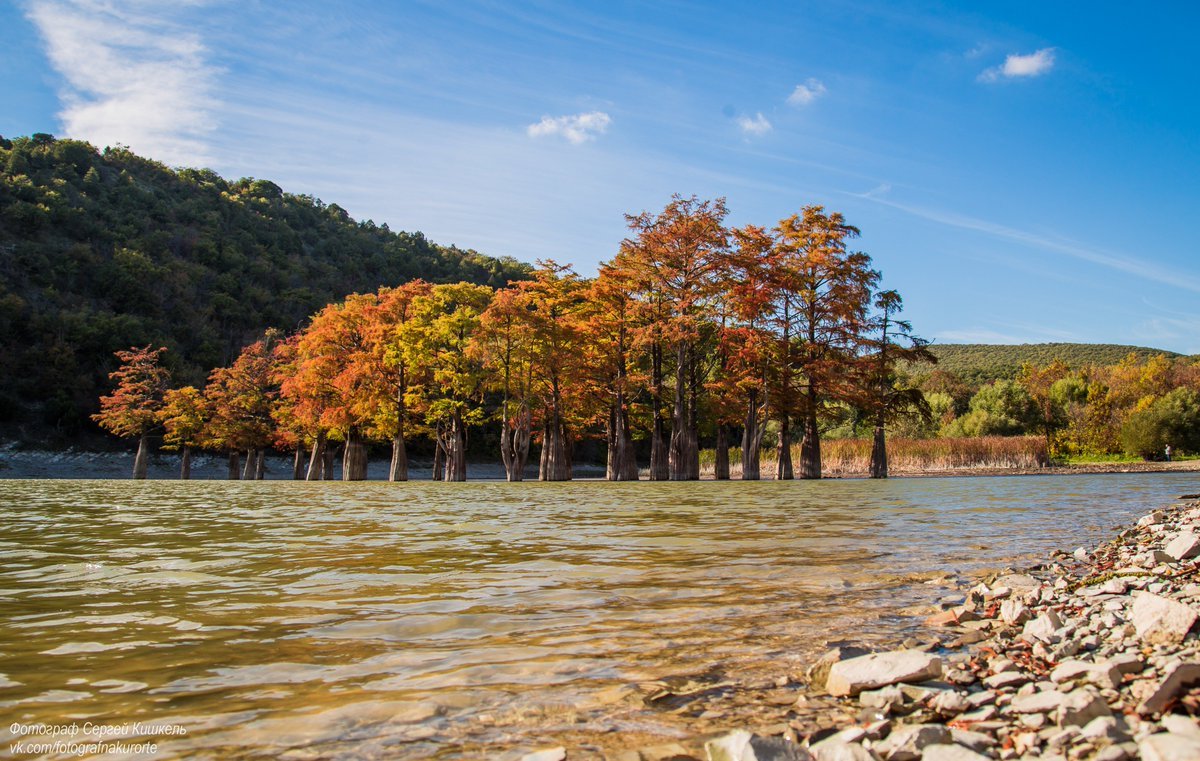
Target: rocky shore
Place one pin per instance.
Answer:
(1089, 656)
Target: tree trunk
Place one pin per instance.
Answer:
(678, 460)
(659, 466)
(622, 460)
(514, 444)
(810, 446)
(260, 464)
(185, 468)
(439, 455)
(141, 460)
(354, 457)
(398, 469)
(316, 461)
(456, 452)
(752, 441)
(234, 465)
(721, 464)
(556, 459)
(879, 463)
(783, 451)
(248, 468)
(298, 464)
(327, 463)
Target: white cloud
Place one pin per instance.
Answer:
(1031, 65)
(132, 77)
(806, 93)
(577, 129)
(756, 126)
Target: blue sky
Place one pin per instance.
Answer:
(1021, 171)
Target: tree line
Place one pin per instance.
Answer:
(693, 330)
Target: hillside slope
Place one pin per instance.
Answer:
(981, 363)
(101, 251)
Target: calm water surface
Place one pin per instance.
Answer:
(430, 619)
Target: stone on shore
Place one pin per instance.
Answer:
(906, 742)
(1182, 675)
(547, 754)
(868, 672)
(1161, 621)
(740, 745)
(943, 752)
(1169, 746)
(1184, 546)
(837, 750)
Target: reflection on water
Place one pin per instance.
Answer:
(422, 619)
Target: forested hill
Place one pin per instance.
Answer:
(981, 363)
(102, 251)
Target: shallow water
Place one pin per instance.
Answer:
(431, 619)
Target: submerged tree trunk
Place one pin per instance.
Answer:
(354, 457)
(141, 460)
(622, 460)
(684, 462)
(721, 462)
(659, 467)
(810, 446)
(398, 469)
(185, 467)
(298, 464)
(752, 436)
(456, 450)
(879, 462)
(260, 465)
(556, 457)
(234, 465)
(783, 451)
(248, 468)
(439, 455)
(327, 463)
(514, 444)
(316, 461)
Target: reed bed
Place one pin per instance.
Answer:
(852, 457)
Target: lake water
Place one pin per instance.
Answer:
(442, 620)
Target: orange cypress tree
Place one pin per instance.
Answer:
(131, 410)
(183, 416)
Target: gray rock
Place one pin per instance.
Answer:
(1178, 676)
(867, 672)
(819, 671)
(836, 750)
(884, 697)
(1005, 679)
(906, 742)
(943, 752)
(1080, 707)
(1169, 746)
(1159, 620)
(1014, 612)
(1184, 546)
(1103, 727)
(1182, 725)
(740, 745)
(1101, 674)
(949, 703)
(1038, 702)
(976, 741)
(1019, 584)
(547, 754)
(1043, 628)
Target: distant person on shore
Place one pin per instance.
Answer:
(1168, 451)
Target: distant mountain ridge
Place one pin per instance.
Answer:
(982, 363)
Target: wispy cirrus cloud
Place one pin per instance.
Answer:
(576, 129)
(132, 76)
(1126, 264)
(1021, 66)
(806, 93)
(756, 125)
